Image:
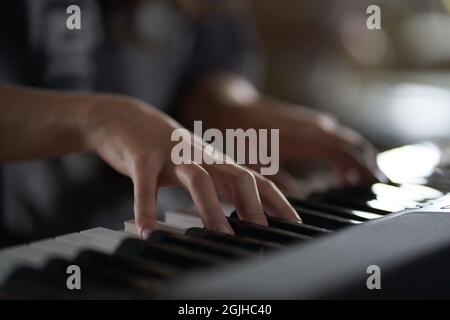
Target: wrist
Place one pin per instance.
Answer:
(96, 115)
(105, 116)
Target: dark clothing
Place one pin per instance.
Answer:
(49, 197)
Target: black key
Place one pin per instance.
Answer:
(118, 273)
(100, 278)
(29, 283)
(246, 243)
(253, 230)
(127, 264)
(365, 192)
(205, 246)
(336, 210)
(380, 190)
(347, 201)
(95, 282)
(171, 254)
(94, 272)
(300, 228)
(323, 220)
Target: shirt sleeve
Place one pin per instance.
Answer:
(14, 59)
(225, 43)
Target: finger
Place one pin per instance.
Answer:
(352, 168)
(242, 190)
(341, 135)
(274, 202)
(343, 161)
(144, 182)
(351, 149)
(356, 151)
(199, 184)
(287, 184)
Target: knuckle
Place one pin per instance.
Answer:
(144, 221)
(141, 156)
(254, 215)
(324, 122)
(211, 222)
(244, 177)
(145, 204)
(267, 185)
(325, 117)
(257, 217)
(198, 176)
(142, 215)
(142, 160)
(143, 193)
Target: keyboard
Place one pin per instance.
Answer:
(400, 229)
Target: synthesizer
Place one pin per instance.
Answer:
(401, 230)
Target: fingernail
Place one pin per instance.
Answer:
(224, 228)
(145, 233)
(298, 220)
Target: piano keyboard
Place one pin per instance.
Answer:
(344, 231)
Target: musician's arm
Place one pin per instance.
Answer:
(230, 101)
(135, 139)
(38, 123)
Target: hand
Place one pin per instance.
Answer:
(311, 135)
(135, 139)
(225, 100)
(314, 135)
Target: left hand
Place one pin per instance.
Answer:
(229, 101)
(311, 135)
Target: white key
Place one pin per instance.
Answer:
(104, 233)
(8, 263)
(130, 227)
(166, 227)
(63, 249)
(7, 259)
(85, 241)
(182, 221)
(193, 212)
(31, 255)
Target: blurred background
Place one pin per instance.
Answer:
(390, 84)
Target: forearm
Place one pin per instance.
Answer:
(136, 140)
(229, 101)
(217, 99)
(41, 123)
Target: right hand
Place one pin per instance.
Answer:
(135, 139)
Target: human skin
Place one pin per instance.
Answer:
(135, 139)
(229, 101)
